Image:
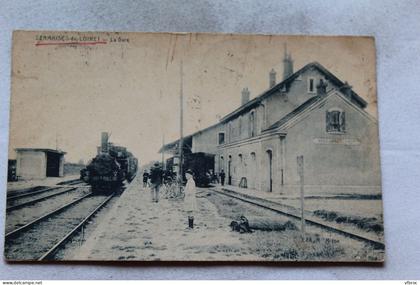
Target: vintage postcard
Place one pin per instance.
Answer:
(193, 147)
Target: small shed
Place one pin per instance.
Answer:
(39, 163)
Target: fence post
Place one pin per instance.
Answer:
(300, 167)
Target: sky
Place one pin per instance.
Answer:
(129, 84)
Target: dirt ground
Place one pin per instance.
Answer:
(137, 229)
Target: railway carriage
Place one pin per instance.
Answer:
(201, 164)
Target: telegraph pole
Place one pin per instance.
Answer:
(181, 124)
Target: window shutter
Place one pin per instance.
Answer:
(343, 121)
(328, 121)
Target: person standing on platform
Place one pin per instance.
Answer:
(222, 177)
(145, 178)
(190, 199)
(156, 174)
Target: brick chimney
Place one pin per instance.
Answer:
(245, 95)
(272, 78)
(287, 64)
(346, 89)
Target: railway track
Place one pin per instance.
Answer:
(24, 200)
(38, 189)
(43, 237)
(70, 182)
(30, 193)
(259, 203)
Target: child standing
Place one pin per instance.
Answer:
(145, 179)
(190, 200)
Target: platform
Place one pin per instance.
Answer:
(135, 228)
(349, 205)
(138, 229)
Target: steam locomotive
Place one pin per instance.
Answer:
(110, 168)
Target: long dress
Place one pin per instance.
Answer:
(190, 201)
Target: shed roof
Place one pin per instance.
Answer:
(42, 150)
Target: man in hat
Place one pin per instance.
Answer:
(190, 201)
(156, 174)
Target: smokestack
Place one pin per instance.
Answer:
(104, 142)
(245, 95)
(272, 78)
(287, 64)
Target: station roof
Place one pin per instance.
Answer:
(252, 103)
(172, 147)
(295, 112)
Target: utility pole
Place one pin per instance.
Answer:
(181, 124)
(300, 164)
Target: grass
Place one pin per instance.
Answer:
(287, 243)
(349, 197)
(292, 246)
(364, 223)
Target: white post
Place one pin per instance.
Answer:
(300, 167)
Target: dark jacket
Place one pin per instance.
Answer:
(156, 174)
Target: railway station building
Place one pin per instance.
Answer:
(310, 113)
(39, 163)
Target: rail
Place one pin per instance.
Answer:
(40, 219)
(31, 202)
(50, 253)
(375, 243)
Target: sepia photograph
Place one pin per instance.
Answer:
(193, 147)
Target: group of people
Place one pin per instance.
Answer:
(155, 180)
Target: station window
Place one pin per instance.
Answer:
(335, 121)
(253, 156)
(252, 124)
(221, 138)
(311, 85)
(240, 126)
